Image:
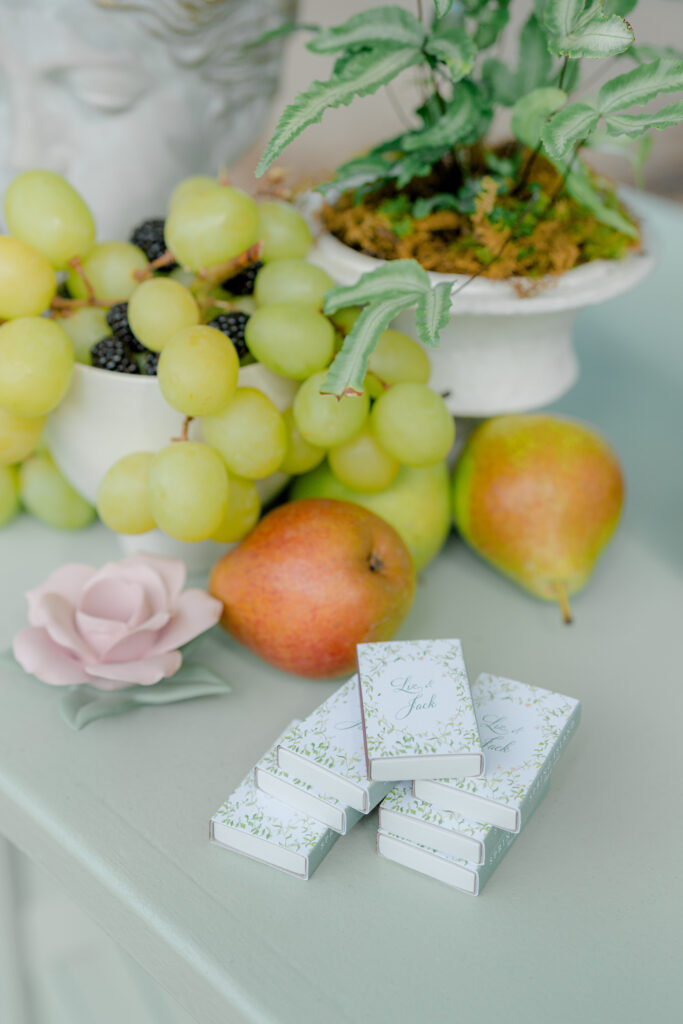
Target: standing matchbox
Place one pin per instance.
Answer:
(265, 829)
(417, 711)
(523, 730)
(303, 796)
(466, 875)
(326, 750)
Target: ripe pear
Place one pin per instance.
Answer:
(416, 504)
(539, 497)
(313, 579)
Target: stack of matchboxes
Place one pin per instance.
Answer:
(457, 771)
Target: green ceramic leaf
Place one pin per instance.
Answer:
(83, 704)
(381, 25)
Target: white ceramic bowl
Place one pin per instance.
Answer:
(501, 352)
(106, 415)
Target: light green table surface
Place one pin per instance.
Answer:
(583, 920)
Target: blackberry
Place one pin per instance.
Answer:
(113, 354)
(243, 283)
(233, 325)
(149, 236)
(117, 318)
(149, 364)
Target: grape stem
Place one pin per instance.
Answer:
(184, 432)
(274, 183)
(221, 271)
(77, 265)
(143, 273)
(67, 307)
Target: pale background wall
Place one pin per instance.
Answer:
(351, 129)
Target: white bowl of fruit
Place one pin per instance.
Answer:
(181, 372)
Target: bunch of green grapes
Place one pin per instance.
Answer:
(222, 282)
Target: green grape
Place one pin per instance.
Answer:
(27, 281)
(18, 436)
(283, 230)
(43, 210)
(158, 309)
(324, 420)
(182, 276)
(123, 495)
(293, 341)
(396, 358)
(344, 319)
(197, 185)
(86, 326)
(109, 267)
(242, 513)
(288, 282)
(188, 490)
(36, 361)
(300, 456)
(198, 371)
(9, 493)
(250, 434)
(362, 463)
(49, 497)
(412, 423)
(208, 228)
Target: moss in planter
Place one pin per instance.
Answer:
(481, 224)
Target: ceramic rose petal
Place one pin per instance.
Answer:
(115, 627)
(194, 607)
(68, 582)
(38, 654)
(145, 671)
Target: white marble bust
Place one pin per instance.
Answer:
(126, 98)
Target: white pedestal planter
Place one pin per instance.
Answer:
(108, 415)
(502, 353)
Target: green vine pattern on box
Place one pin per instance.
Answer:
(268, 763)
(544, 718)
(251, 811)
(332, 737)
(456, 732)
(401, 801)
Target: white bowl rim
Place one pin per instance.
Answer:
(584, 285)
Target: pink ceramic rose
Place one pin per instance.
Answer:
(112, 627)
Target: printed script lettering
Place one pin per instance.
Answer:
(497, 735)
(416, 698)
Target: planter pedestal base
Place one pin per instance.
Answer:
(489, 365)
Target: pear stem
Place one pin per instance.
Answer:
(563, 601)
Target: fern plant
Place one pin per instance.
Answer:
(449, 45)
